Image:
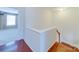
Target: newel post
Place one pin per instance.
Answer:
(58, 35)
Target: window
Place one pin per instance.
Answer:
(8, 18)
(8, 21)
(11, 20)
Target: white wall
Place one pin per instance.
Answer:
(35, 19)
(32, 38)
(9, 35)
(66, 21)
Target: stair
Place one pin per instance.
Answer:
(63, 47)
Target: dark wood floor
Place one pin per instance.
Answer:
(22, 46)
(63, 47)
(18, 46)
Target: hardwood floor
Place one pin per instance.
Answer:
(63, 47)
(18, 46)
(22, 46)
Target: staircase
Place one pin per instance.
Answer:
(62, 46)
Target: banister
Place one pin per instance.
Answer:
(58, 35)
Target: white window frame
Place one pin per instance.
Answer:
(5, 22)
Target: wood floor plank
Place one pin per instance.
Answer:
(18, 46)
(22, 46)
(63, 47)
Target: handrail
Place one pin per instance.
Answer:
(58, 36)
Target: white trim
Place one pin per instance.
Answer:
(74, 45)
(40, 30)
(29, 46)
(51, 45)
